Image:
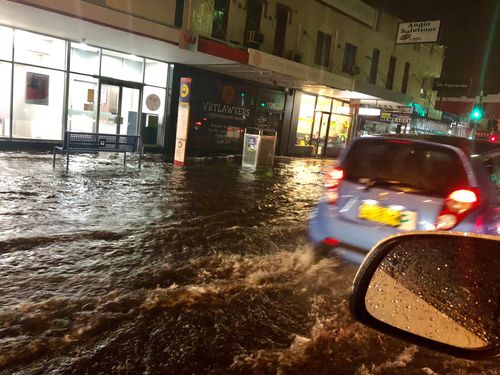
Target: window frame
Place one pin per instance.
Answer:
(406, 78)
(349, 61)
(391, 72)
(372, 78)
(323, 49)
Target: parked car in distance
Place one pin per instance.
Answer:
(440, 290)
(384, 185)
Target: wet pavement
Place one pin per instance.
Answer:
(203, 269)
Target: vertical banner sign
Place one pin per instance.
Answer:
(182, 121)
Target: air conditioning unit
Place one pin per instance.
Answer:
(255, 37)
(295, 56)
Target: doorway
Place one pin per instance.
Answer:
(319, 134)
(118, 107)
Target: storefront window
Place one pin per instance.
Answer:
(36, 49)
(122, 66)
(340, 108)
(323, 104)
(5, 75)
(82, 103)
(339, 130)
(84, 59)
(6, 36)
(270, 100)
(155, 73)
(38, 102)
(306, 119)
(153, 110)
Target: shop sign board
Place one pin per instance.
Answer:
(366, 111)
(450, 88)
(182, 121)
(395, 117)
(418, 32)
(419, 110)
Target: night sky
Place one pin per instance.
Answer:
(465, 26)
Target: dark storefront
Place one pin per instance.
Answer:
(221, 109)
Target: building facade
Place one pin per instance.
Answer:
(313, 71)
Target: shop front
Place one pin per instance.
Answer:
(410, 120)
(383, 120)
(221, 108)
(322, 126)
(50, 85)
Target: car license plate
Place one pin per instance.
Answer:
(404, 220)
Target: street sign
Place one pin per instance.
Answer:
(450, 88)
(182, 121)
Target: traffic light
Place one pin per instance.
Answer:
(477, 113)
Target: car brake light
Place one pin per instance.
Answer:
(400, 141)
(493, 138)
(334, 177)
(456, 206)
(332, 182)
(330, 241)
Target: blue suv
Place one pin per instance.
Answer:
(384, 185)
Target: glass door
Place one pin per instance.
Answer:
(118, 109)
(82, 111)
(109, 109)
(320, 131)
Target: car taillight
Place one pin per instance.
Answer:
(330, 241)
(456, 206)
(332, 182)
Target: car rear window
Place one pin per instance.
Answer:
(405, 165)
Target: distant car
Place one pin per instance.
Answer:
(384, 185)
(486, 135)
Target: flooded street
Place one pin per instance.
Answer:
(204, 269)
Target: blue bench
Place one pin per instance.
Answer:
(79, 142)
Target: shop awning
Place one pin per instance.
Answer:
(281, 73)
(380, 95)
(276, 71)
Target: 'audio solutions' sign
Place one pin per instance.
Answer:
(418, 32)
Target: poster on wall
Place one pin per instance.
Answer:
(37, 88)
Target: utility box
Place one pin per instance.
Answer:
(259, 146)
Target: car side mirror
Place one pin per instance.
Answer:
(434, 289)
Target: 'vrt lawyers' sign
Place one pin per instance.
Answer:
(418, 32)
